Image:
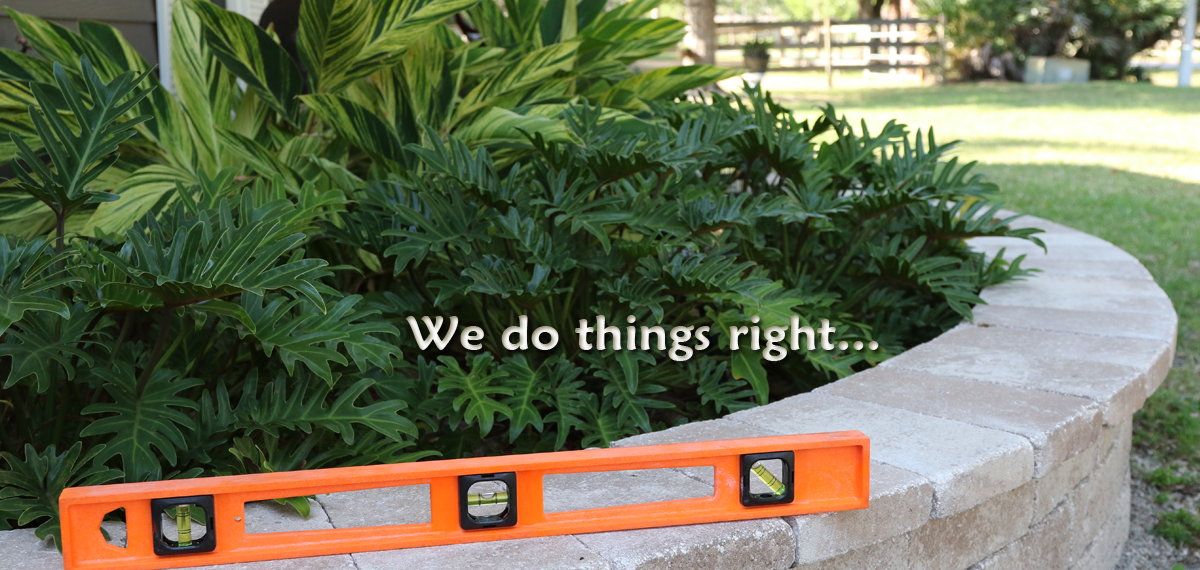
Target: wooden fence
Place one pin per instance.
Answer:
(877, 47)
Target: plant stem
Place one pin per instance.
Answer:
(4, 440)
(120, 336)
(60, 231)
(164, 327)
(60, 421)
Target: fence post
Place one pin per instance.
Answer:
(828, 54)
(941, 35)
(1186, 46)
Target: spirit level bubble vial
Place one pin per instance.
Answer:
(820, 472)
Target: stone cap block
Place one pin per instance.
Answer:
(1057, 426)
(1073, 246)
(970, 536)
(965, 464)
(409, 504)
(1124, 268)
(1114, 372)
(900, 502)
(760, 543)
(544, 553)
(23, 551)
(1160, 327)
(578, 491)
(1094, 293)
(1028, 221)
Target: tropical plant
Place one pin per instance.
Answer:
(222, 281)
(758, 48)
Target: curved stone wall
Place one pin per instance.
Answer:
(1003, 443)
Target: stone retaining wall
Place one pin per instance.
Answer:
(1001, 444)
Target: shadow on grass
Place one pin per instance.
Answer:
(1178, 154)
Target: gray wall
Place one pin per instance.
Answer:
(134, 18)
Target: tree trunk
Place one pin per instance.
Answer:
(701, 41)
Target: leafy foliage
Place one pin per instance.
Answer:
(282, 220)
(1180, 528)
(994, 38)
(31, 487)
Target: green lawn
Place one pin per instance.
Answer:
(1117, 160)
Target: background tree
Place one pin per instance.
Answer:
(992, 38)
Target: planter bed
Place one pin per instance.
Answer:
(1003, 443)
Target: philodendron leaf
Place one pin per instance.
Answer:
(76, 160)
(26, 277)
(307, 405)
(145, 425)
(747, 365)
(313, 338)
(454, 222)
(31, 487)
(237, 247)
(529, 388)
(474, 392)
(46, 346)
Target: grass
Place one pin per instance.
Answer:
(1117, 160)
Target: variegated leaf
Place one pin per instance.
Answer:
(25, 67)
(629, 125)
(54, 42)
(395, 26)
(206, 90)
(631, 40)
(528, 71)
(253, 56)
(499, 30)
(501, 126)
(260, 160)
(151, 188)
(626, 11)
(360, 126)
(332, 35)
(560, 22)
(22, 215)
(428, 76)
(632, 92)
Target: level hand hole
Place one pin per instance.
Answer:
(112, 527)
(387, 506)
(602, 489)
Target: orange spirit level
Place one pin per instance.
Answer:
(819, 472)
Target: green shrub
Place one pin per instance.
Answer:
(994, 37)
(1169, 426)
(758, 47)
(224, 288)
(1180, 528)
(1165, 477)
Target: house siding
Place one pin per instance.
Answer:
(135, 19)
